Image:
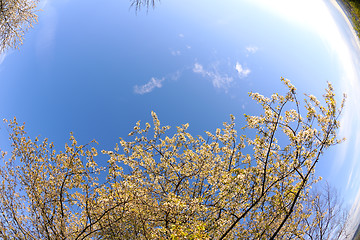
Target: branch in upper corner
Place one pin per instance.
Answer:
(139, 4)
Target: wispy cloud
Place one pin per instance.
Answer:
(175, 76)
(181, 35)
(175, 52)
(43, 4)
(2, 57)
(242, 71)
(47, 30)
(251, 49)
(198, 68)
(218, 80)
(149, 87)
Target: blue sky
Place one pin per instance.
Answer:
(96, 69)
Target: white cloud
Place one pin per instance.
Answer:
(47, 30)
(148, 87)
(181, 35)
(252, 49)
(243, 72)
(175, 76)
(175, 52)
(198, 68)
(43, 4)
(2, 57)
(218, 80)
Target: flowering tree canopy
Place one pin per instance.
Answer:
(175, 186)
(16, 16)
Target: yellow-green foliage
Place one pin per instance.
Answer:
(177, 186)
(15, 18)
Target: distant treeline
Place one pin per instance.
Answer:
(353, 8)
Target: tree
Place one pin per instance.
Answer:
(352, 7)
(174, 186)
(16, 17)
(138, 4)
(327, 218)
